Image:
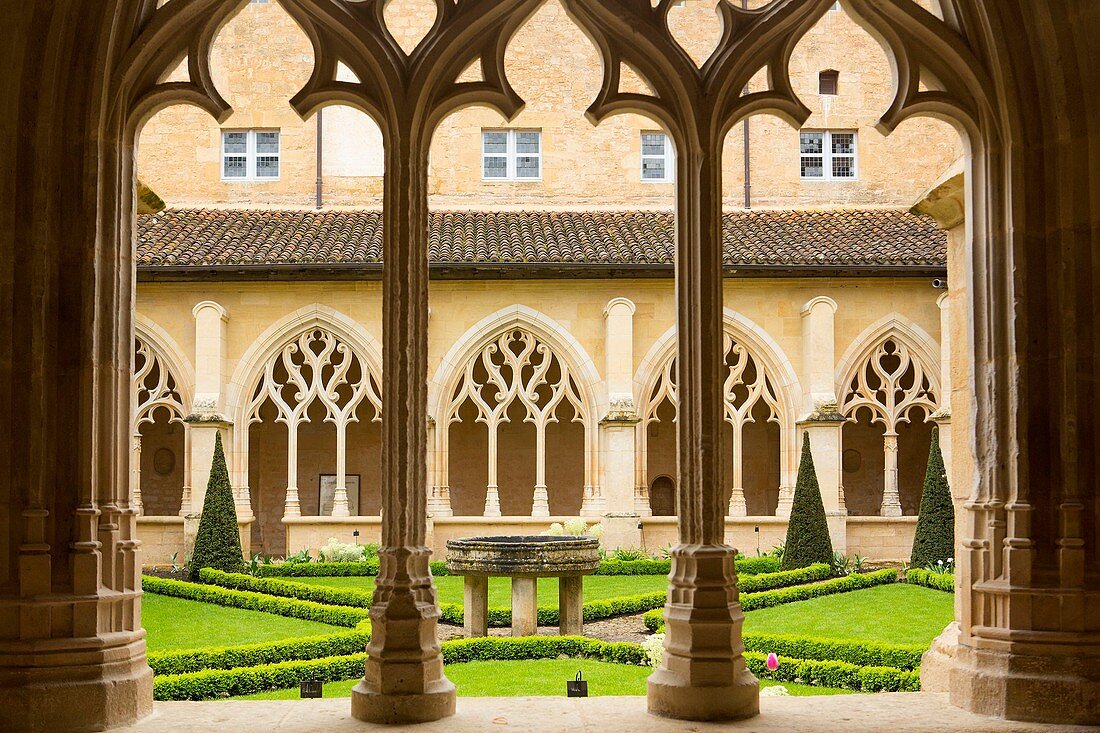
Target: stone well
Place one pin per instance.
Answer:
(524, 559)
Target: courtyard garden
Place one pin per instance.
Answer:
(815, 621)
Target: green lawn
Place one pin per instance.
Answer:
(500, 594)
(176, 623)
(543, 677)
(893, 614)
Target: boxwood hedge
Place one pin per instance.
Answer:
(216, 683)
(859, 653)
(931, 579)
(292, 607)
(846, 676)
(780, 596)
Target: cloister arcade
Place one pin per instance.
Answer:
(516, 426)
(1019, 79)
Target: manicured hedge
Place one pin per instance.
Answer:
(855, 581)
(292, 607)
(542, 647)
(451, 613)
(778, 597)
(859, 653)
(931, 579)
(771, 581)
(634, 567)
(318, 569)
(216, 683)
(835, 674)
(757, 565)
(252, 655)
(288, 589)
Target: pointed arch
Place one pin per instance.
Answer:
(918, 343)
(654, 382)
(252, 364)
(168, 352)
(581, 385)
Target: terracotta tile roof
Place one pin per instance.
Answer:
(204, 238)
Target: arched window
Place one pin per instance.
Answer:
(752, 412)
(159, 445)
(531, 405)
(314, 380)
(893, 389)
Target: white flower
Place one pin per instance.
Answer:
(774, 691)
(654, 648)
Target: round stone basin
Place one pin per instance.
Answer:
(520, 555)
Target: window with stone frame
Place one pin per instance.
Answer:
(828, 155)
(658, 158)
(511, 155)
(250, 155)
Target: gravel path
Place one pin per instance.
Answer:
(622, 628)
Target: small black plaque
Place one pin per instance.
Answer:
(311, 690)
(577, 687)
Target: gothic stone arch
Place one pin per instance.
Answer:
(1016, 75)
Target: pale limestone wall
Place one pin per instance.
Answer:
(575, 309)
(882, 538)
(262, 58)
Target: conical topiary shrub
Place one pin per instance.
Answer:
(218, 543)
(935, 538)
(807, 531)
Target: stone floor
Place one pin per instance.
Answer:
(884, 713)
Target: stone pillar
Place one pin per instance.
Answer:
(403, 680)
(891, 496)
(571, 605)
(540, 505)
(617, 428)
(208, 409)
(475, 607)
(820, 418)
(525, 606)
(703, 674)
(135, 475)
(942, 416)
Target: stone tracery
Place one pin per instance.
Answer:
(156, 396)
(316, 366)
(747, 384)
(516, 367)
(891, 383)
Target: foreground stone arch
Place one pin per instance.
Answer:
(1020, 77)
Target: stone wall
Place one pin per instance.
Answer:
(262, 59)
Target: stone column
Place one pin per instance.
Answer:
(492, 494)
(703, 673)
(540, 506)
(820, 418)
(135, 475)
(571, 605)
(525, 606)
(475, 607)
(891, 496)
(942, 416)
(208, 409)
(617, 464)
(403, 679)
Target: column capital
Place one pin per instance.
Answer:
(623, 306)
(205, 304)
(621, 411)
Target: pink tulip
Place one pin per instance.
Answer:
(773, 662)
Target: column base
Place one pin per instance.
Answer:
(71, 697)
(703, 675)
(373, 706)
(671, 697)
(1061, 687)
